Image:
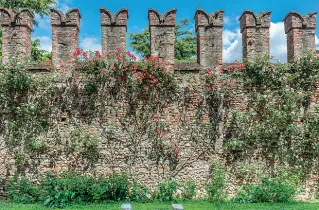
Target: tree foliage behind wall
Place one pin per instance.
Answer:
(185, 42)
(38, 7)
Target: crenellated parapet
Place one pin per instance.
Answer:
(162, 34)
(209, 29)
(16, 34)
(255, 29)
(255, 33)
(65, 32)
(114, 30)
(300, 31)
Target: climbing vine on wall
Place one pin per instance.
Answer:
(112, 100)
(275, 115)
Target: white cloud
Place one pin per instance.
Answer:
(227, 20)
(44, 22)
(232, 43)
(278, 41)
(231, 20)
(232, 49)
(63, 5)
(45, 42)
(228, 37)
(64, 8)
(90, 43)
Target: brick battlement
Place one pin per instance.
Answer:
(17, 29)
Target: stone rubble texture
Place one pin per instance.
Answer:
(114, 30)
(209, 30)
(255, 34)
(16, 34)
(162, 34)
(301, 31)
(65, 32)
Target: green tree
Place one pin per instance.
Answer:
(185, 42)
(140, 42)
(37, 54)
(39, 7)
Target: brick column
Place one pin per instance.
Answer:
(300, 34)
(209, 30)
(114, 30)
(65, 32)
(255, 33)
(16, 34)
(162, 32)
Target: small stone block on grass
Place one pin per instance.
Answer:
(177, 207)
(126, 207)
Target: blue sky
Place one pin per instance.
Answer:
(90, 32)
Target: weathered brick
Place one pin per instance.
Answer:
(16, 34)
(209, 30)
(162, 32)
(65, 32)
(255, 33)
(300, 32)
(114, 30)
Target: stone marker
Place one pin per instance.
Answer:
(177, 207)
(126, 206)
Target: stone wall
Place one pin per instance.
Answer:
(113, 30)
(209, 30)
(301, 31)
(17, 30)
(116, 154)
(162, 34)
(16, 34)
(255, 33)
(65, 32)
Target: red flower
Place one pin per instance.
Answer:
(177, 150)
(77, 52)
(241, 66)
(63, 72)
(97, 54)
(154, 81)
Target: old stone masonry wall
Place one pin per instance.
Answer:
(117, 154)
(17, 29)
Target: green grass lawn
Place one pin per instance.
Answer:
(188, 205)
